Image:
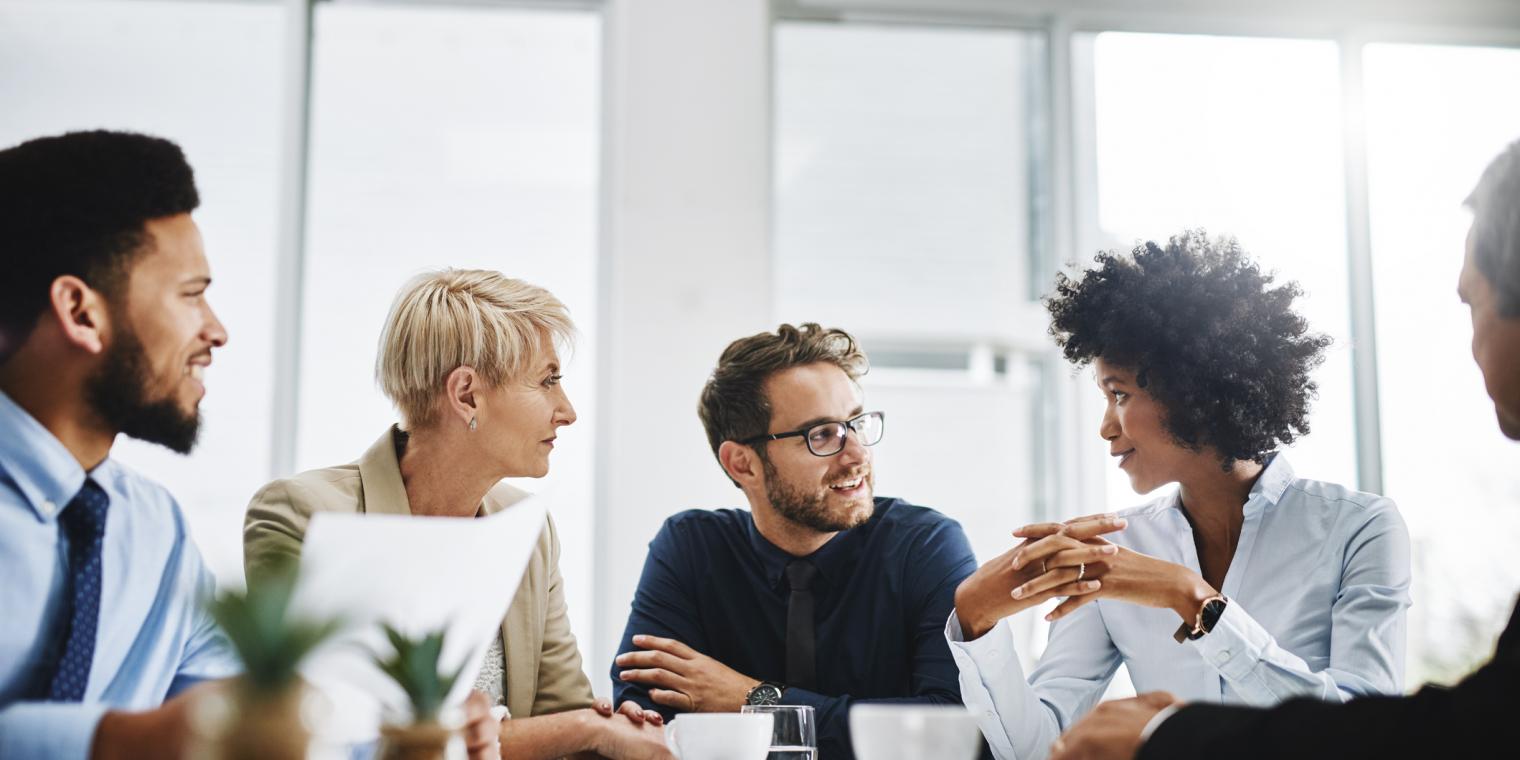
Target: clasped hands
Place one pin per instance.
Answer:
(1074, 561)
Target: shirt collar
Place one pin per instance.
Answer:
(39, 464)
(1268, 489)
(1273, 481)
(830, 559)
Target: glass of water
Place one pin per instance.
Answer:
(795, 736)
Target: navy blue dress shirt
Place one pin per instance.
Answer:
(882, 594)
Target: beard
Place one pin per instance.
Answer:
(810, 508)
(118, 392)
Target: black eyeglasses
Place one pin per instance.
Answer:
(827, 438)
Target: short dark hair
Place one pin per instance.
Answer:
(734, 407)
(1207, 334)
(1495, 204)
(76, 204)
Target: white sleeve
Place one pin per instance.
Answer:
(1020, 717)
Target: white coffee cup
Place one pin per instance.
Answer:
(719, 736)
(911, 732)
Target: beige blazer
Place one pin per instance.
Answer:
(543, 663)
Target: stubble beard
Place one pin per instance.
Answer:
(810, 508)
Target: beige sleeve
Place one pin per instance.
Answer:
(273, 529)
(562, 684)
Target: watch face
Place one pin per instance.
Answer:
(765, 694)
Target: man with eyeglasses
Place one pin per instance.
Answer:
(820, 594)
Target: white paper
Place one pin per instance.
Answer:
(419, 574)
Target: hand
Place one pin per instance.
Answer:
(161, 732)
(688, 679)
(987, 595)
(482, 731)
(630, 708)
(1130, 576)
(619, 737)
(1112, 731)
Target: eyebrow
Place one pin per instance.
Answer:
(202, 280)
(1111, 379)
(820, 420)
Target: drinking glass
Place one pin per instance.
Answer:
(795, 736)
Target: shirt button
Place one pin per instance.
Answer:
(990, 715)
(992, 653)
(1223, 656)
(48, 508)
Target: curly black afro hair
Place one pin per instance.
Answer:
(1208, 335)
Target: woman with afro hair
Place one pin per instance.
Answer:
(1247, 584)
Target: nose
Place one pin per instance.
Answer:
(564, 411)
(214, 332)
(854, 452)
(1109, 428)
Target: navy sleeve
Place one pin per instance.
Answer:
(663, 605)
(934, 562)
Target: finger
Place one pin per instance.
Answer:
(651, 658)
(1039, 550)
(1045, 582)
(654, 718)
(1093, 516)
(1086, 592)
(665, 645)
(1086, 529)
(674, 699)
(654, 677)
(1038, 530)
(603, 706)
(1160, 698)
(1083, 555)
(632, 709)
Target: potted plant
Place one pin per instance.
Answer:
(426, 734)
(259, 713)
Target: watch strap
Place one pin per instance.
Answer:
(1209, 613)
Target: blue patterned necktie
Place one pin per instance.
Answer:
(84, 520)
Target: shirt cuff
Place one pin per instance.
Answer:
(49, 729)
(1235, 645)
(992, 654)
(1156, 721)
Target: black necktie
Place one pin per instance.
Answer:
(801, 653)
(84, 520)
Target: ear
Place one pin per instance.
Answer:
(741, 463)
(460, 389)
(80, 312)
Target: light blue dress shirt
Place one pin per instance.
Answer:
(153, 638)
(1318, 591)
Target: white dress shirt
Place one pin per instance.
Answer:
(1318, 590)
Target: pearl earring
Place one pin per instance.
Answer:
(472, 424)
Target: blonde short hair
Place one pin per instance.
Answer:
(456, 317)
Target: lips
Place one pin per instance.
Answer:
(1124, 456)
(849, 487)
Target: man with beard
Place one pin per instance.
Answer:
(820, 594)
(104, 329)
(1476, 717)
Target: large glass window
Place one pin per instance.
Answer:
(449, 136)
(904, 179)
(1242, 137)
(206, 75)
(1435, 117)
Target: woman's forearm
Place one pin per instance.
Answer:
(543, 737)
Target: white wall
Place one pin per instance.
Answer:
(685, 269)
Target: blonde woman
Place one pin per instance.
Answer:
(469, 359)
